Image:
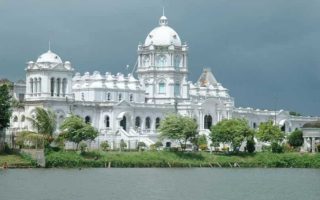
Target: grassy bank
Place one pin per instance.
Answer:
(16, 160)
(180, 159)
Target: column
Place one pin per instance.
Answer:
(305, 144)
(313, 144)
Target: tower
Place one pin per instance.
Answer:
(49, 78)
(163, 65)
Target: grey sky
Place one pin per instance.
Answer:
(264, 51)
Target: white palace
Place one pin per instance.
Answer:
(131, 108)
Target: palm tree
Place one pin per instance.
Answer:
(44, 122)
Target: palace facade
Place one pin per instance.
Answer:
(131, 107)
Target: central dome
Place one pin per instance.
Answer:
(49, 57)
(163, 35)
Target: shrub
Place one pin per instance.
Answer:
(83, 147)
(104, 145)
(203, 147)
(250, 146)
(295, 139)
(158, 144)
(276, 148)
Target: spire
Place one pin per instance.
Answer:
(163, 19)
(49, 46)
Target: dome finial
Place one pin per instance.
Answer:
(163, 19)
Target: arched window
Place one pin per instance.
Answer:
(87, 119)
(23, 118)
(120, 97)
(131, 98)
(108, 96)
(58, 86)
(138, 122)
(52, 87)
(31, 85)
(148, 123)
(162, 88)
(64, 87)
(39, 85)
(207, 121)
(82, 96)
(107, 121)
(15, 118)
(157, 122)
(35, 84)
(254, 125)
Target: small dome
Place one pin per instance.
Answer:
(49, 57)
(163, 35)
(315, 124)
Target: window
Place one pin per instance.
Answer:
(131, 97)
(207, 121)
(58, 86)
(157, 122)
(162, 88)
(87, 119)
(39, 85)
(120, 97)
(138, 122)
(31, 85)
(148, 123)
(15, 119)
(107, 121)
(35, 84)
(254, 125)
(64, 87)
(108, 96)
(23, 118)
(177, 89)
(52, 87)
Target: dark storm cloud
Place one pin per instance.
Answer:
(265, 52)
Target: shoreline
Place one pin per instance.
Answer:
(162, 159)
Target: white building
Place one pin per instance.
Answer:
(131, 108)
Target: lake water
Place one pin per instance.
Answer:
(160, 184)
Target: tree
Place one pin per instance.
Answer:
(202, 142)
(233, 131)
(268, 132)
(250, 146)
(74, 129)
(5, 111)
(104, 145)
(295, 139)
(44, 121)
(179, 128)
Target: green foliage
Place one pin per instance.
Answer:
(5, 106)
(180, 159)
(179, 128)
(295, 139)
(269, 133)
(83, 147)
(202, 142)
(276, 148)
(233, 131)
(74, 129)
(250, 145)
(158, 144)
(105, 145)
(30, 139)
(44, 121)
